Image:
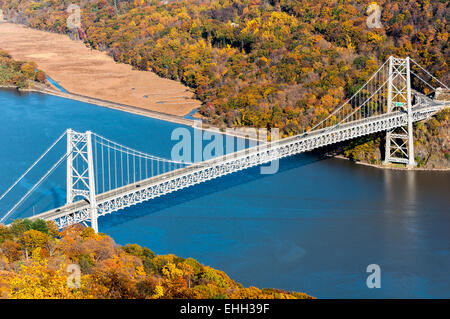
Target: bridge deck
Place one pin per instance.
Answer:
(196, 173)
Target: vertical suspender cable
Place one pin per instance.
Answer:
(121, 168)
(109, 168)
(95, 165)
(115, 168)
(103, 172)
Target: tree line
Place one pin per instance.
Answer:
(35, 256)
(19, 74)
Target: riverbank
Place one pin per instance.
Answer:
(44, 89)
(93, 74)
(48, 89)
(52, 64)
(112, 105)
(399, 167)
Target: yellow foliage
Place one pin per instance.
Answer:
(36, 281)
(171, 272)
(374, 37)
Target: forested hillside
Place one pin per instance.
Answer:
(280, 63)
(36, 261)
(18, 74)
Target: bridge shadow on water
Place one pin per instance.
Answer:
(204, 189)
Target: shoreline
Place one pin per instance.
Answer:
(116, 106)
(108, 104)
(126, 108)
(188, 122)
(341, 157)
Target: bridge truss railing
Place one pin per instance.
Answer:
(108, 176)
(197, 173)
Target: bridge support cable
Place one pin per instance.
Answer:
(96, 165)
(116, 165)
(357, 106)
(423, 81)
(32, 166)
(360, 111)
(41, 180)
(108, 176)
(428, 73)
(387, 90)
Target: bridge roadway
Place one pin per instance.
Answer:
(156, 186)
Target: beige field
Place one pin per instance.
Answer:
(94, 74)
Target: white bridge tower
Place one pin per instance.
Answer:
(80, 172)
(399, 141)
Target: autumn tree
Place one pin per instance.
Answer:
(37, 281)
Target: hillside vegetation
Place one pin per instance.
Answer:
(18, 73)
(36, 261)
(280, 63)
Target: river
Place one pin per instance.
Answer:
(314, 226)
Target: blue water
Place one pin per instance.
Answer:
(56, 84)
(190, 116)
(314, 226)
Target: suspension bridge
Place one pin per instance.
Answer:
(104, 176)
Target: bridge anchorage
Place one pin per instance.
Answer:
(104, 176)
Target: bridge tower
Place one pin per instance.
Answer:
(399, 141)
(80, 171)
